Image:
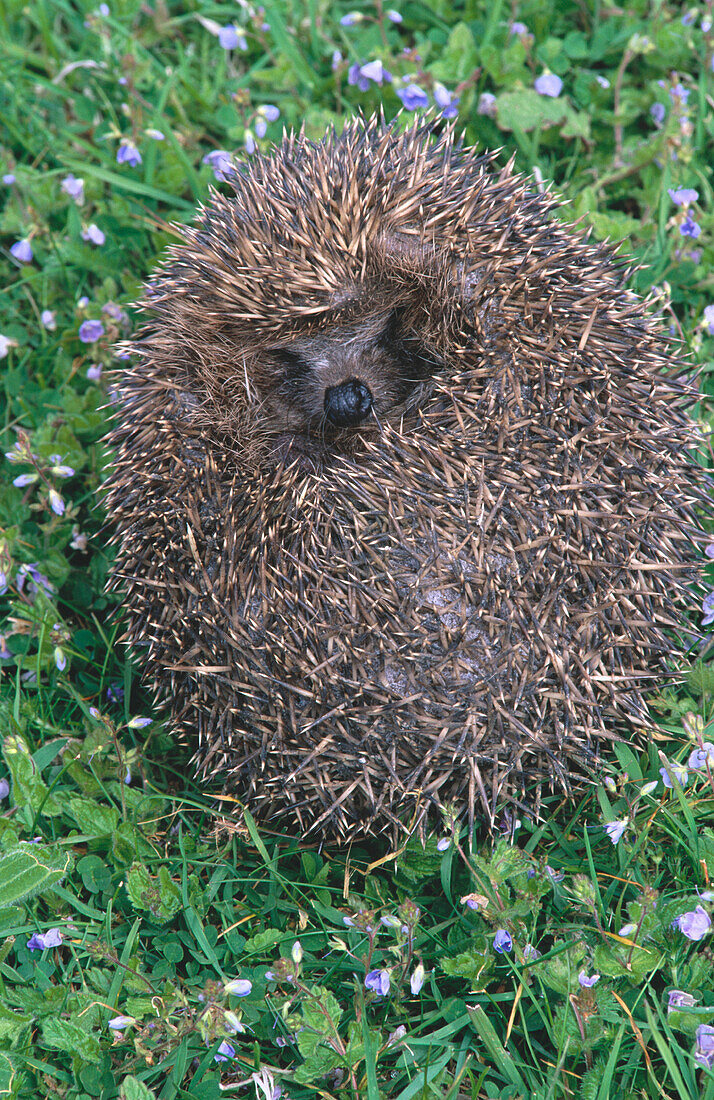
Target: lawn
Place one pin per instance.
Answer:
(154, 941)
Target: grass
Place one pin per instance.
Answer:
(360, 973)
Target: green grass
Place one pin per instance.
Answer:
(160, 899)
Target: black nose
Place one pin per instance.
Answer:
(347, 404)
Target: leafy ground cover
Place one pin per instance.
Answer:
(152, 944)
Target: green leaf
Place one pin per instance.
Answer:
(12, 1025)
(29, 791)
(526, 110)
(261, 941)
(629, 962)
(68, 1036)
(9, 1080)
(159, 896)
(29, 870)
(132, 1088)
(472, 965)
(92, 818)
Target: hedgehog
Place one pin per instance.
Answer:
(403, 488)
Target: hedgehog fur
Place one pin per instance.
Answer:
(402, 488)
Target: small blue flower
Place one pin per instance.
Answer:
(232, 38)
(22, 251)
(502, 941)
(657, 111)
(89, 331)
(23, 480)
(225, 1052)
(56, 503)
(221, 162)
(674, 773)
(548, 84)
(378, 981)
(683, 196)
(351, 19)
(48, 320)
(487, 104)
(689, 228)
(588, 983)
(413, 98)
(127, 153)
(394, 16)
(39, 941)
(94, 234)
(74, 188)
(615, 829)
(417, 979)
(709, 322)
(694, 924)
(4, 788)
(8, 179)
(446, 100)
(519, 28)
(375, 70)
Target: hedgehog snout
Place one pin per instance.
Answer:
(348, 403)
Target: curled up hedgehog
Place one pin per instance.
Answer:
(402, 488)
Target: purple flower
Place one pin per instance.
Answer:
(22, 480)
(56, 503)
(674, 773)
(48, 320)
(239, 987)
(679, 999)
(487, 104)
(8, 179)
(30, 575)
(269, 111)
(519, 28)
(588, 983)
(502, 941)
(4, 788)
(261, 128)
(336, 60)
(708, 601)
(471, 901)
(679, 92)
(221, 162)
(375, 70)
(225, 1052)
(94, 373)
(443, 844)
(118, 1023)
(22, 251)
(127, 153)
(139, 723)
(378, 982)
(354, 76)
(704, 1054)
(41, 940)
(89, 331)
(702, 757)
(413, 98)
(548, 84)
(709, 322)
(688, 18)
(689, 227)
(94, 234)
(249, 142)
(74, 188)
(417, 979)
(351, 19)
(60, 658)
(446, 100)
(82, 302)
(602, 81)
(658, 112)
(394, 16)
(232, 38)
(615, 829)
(695, 924)
(155, 135)
(530, 953)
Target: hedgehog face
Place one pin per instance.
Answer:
(346, 376)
